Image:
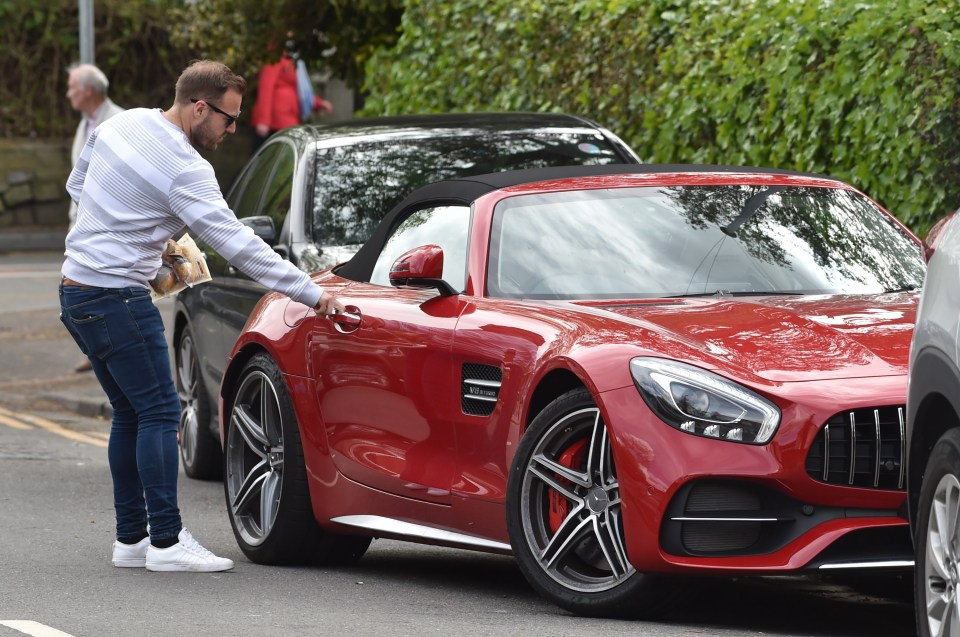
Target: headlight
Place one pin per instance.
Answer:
(702, 403)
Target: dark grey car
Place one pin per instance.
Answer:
(315, 193)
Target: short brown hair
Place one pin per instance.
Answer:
(207, 80)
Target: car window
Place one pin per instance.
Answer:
(684, 240)
(445, 226)
(245, 198)
(276, 202)
(356, 185)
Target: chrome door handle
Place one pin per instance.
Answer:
(347, 321)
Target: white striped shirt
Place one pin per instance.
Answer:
(138, 182)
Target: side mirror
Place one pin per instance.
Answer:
(421, 268)
(263, 227)
(932, 239)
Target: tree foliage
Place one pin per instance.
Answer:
(39, 41)
(862, 90)
(339, 35)
(143, 45)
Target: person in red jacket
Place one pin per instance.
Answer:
(278, 106)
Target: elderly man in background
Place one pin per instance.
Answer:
(87, 91)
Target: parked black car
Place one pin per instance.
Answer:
(316, 193)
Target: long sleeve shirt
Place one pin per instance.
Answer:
(137, 183)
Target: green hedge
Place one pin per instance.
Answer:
(865, 91)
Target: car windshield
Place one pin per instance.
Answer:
(356, 185)
(704, 240)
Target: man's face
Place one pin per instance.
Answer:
(211, 127)
(79, 96)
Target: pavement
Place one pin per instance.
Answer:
(85, 398)
(32, 340)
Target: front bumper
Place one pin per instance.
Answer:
(691, 503)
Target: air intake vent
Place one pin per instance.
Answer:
(861, 448)
(479, 389)
(712, 537)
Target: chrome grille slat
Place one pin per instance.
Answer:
(877, 448)
(862, 448)
(826, 453)
(903, 450)
(853, 447)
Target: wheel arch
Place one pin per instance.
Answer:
(232, 374)
(179, 323)
(552, 385)
(933, 408)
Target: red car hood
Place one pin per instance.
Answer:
(784, 339)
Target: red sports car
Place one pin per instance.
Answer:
(618, 374)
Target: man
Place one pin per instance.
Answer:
(138, 181)
(87, 91)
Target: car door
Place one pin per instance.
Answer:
(266, 190)
(387, 390)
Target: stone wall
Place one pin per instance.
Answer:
(33, 174)
(33, 177)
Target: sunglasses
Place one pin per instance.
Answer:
(230, 118)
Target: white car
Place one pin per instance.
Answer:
(933, 435)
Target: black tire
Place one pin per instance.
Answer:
(576, 558)
(200, 451)
(265, 479)
(937, 540)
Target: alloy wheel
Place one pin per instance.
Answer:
(254, 458)
(570, 505)
(188, 371)
(941, 579)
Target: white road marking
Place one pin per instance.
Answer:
(33, 628)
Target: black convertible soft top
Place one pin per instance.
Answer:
(467, 189)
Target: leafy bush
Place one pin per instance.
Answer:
(865, 91)
(39, 41)
(143, 45)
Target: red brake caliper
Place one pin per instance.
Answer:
(559, 505)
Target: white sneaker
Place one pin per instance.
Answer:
(130, 555)
(185, 555)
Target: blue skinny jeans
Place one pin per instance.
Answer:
(122, 333)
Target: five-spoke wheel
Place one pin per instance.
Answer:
(563, 514)
(265, 481)
(199, 449)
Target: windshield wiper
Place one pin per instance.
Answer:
(722, 293)
(904, 287)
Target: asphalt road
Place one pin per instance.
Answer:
(56, 529)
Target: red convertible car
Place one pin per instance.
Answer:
(617, 374)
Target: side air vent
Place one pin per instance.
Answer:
(479, 388)
(861, 448)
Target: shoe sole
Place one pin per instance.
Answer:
(187, 568)
(130, 562)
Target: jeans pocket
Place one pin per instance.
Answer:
(92, 334)
(67, 323)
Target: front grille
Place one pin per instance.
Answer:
(861, 448)
(479, 388)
